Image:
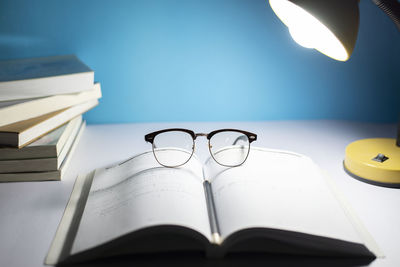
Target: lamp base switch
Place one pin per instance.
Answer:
(380, 158)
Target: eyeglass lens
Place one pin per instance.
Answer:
(173, 148)
(229, 148)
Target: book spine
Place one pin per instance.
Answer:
(62, 243)
(212, 214)
(10, 139)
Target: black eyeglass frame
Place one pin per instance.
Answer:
(151, 136)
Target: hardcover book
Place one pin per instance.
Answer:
(276, 202)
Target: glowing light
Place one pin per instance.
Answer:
(308, 31)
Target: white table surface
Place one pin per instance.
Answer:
(30, 212)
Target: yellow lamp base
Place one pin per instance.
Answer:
(375, 161)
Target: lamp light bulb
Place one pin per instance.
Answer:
(308, 31)
(301, 37)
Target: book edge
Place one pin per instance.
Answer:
(73, 124)
(70, 141)
(68, 158)
(65, 115)
(46, 59)
(20, 166)
(50, 163)
(7, 113)
(45, 83)
(44, 78)
(51, 175)
(367, 238)
(39, 151)
(57, 248)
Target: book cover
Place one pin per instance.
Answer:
(19, 110)
(45, 76)
(22, 133)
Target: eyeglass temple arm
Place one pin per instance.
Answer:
(242, 137)
(149, 138)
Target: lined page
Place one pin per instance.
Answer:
(278, 190)
(140, 193)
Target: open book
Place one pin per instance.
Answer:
(276, 202)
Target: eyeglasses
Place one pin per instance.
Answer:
(174, 147)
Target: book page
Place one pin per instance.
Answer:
(140, 193)
(278, 190)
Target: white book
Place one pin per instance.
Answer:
(19, 110)
(276, 202)
(43, 164)
(48, 146)
(45, 76)
(49, 175)
(22, 133)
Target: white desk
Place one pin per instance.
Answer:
(30, 212)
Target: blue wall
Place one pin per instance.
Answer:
(208, 60)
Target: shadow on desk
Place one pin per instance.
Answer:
(236, 260)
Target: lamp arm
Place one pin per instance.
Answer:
(391, 8)
(398, 135)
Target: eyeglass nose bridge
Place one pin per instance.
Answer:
(200, 134)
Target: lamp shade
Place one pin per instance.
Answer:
(329, 26)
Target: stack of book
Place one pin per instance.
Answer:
(41, 105)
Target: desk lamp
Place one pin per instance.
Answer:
(331, 27)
